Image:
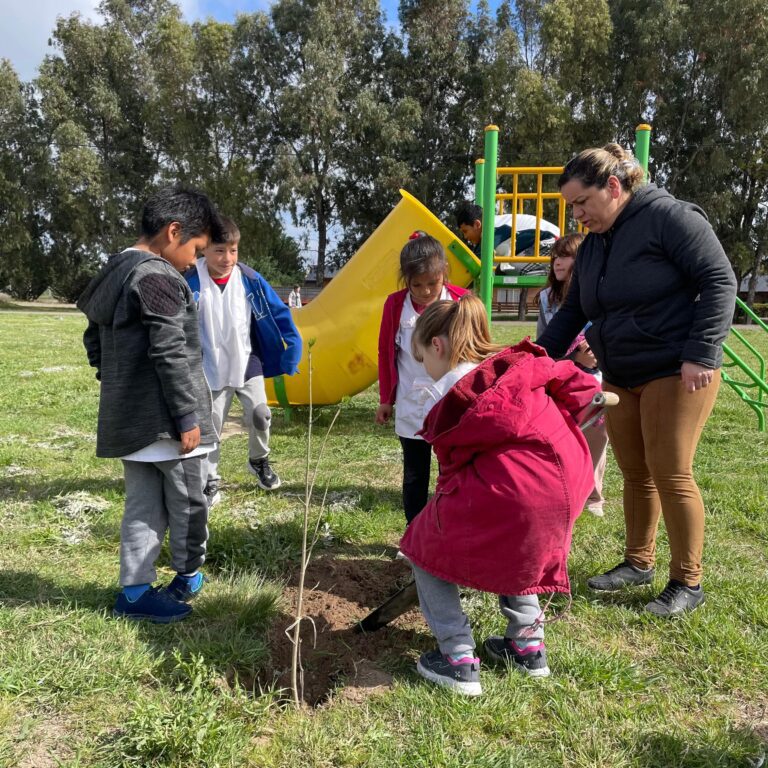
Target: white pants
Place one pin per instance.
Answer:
(250, 395)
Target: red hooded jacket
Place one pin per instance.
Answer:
(515, 472)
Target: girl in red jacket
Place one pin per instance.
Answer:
(424, 271)
(515, 471)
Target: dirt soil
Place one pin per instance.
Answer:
(337, 661)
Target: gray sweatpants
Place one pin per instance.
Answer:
(250, 395)
(160, 496)
(441, 605)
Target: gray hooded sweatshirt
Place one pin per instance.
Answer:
(143, 340)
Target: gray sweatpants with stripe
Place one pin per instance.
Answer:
(160, 496)
(440, 603)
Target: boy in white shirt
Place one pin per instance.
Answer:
(247, 335)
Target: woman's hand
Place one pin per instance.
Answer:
(383, 413)
(584, 356)
(696, 376)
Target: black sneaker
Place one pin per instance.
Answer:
(212, 493)
(462, 676)
(186, 588)
(531, 661)
(676, 599)
(265, 476)
(623, 575)
(155, 605)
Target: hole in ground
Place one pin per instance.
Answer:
(335, 659)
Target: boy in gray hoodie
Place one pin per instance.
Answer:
(155, 405)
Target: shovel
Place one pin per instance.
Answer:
(407, 597)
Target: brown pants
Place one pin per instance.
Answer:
(654, 432)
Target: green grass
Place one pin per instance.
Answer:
(78, 688)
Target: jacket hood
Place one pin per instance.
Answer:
(473, 398)
(99, 299)
(650, 194)
(496, 403)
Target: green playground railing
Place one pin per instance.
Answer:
(751, 385)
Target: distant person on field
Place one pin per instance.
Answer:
(155, 405)
(294, 297)
(247, 335)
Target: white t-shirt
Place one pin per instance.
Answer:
(225, 329)
(433, 394)
(166, 450)
(412, 378)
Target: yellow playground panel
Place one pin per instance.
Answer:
(342, 323)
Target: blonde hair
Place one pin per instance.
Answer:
(463, 322)
(593, 167)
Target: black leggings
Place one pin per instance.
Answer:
(417, 458)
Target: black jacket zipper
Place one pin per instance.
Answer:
(607, 241)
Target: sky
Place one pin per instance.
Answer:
(27, 24)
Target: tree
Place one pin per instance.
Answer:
(320, 63)
(707, 98)
(23, 264)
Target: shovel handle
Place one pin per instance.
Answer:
(605, 400)
(595, 407)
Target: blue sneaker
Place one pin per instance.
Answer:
(186, 588)
(155, 605)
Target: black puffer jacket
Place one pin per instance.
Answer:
(657, 288)
(143, 340)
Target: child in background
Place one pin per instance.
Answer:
(550, 299)
(247, 335)
(514, 474)
(424, 271)
(155, 405)
(294, 297)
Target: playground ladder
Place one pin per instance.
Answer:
(751, 387)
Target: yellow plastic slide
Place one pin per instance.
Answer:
(344, 319)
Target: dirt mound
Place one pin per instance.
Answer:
(336, 659)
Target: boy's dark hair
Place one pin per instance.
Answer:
(296, 287)
(230, 232)
(468, 213)
(422, 255)
(193, 210)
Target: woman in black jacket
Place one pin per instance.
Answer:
(657, 287)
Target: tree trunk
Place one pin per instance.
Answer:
(523, 304)
(322, 240)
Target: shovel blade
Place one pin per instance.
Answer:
(396, 605)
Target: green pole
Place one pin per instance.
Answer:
(479, 168)
(643, 146)
(489, 211)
